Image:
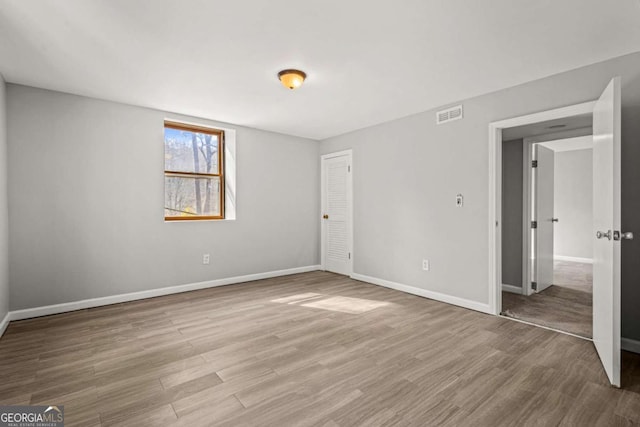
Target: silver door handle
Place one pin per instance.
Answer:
(554, 219)
(600, 234)
(624, 235)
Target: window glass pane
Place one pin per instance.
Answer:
(186, 151)
(191, 197)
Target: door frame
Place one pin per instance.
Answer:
(494, 225)
(349, 154)
(527, 196)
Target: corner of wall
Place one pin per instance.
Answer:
(4, 239)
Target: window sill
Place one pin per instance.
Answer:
(174, 221)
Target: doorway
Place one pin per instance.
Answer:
(547, 191)
(337, 212)
(607, 235)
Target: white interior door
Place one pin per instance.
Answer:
(336, 217)
(606, 229)
(544, 177)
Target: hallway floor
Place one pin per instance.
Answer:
(566, 305)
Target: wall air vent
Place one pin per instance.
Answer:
(449, 115)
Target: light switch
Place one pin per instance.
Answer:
(459, 199)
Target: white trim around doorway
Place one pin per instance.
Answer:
(495, 189)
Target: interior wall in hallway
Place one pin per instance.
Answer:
(512, 181)
(573, 199)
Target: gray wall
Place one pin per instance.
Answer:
(631, 213)
(4, 232)
(512, 176)
(86, 197)
(573, 183)
(408, 171)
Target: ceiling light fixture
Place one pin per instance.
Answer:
(292, 79)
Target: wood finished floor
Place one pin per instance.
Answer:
(566, 305)
(303, 350)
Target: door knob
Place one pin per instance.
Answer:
(554, 219)
(601, 234)
(325, 216)
(624, 235)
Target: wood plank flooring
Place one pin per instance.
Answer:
(566, 305)
(314, 349)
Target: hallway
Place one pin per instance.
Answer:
(566, 305)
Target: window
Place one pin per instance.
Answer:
(193, 172)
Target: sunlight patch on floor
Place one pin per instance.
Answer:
(333, 303)
(293, 299)
(347, 304)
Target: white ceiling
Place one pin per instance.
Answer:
(367, 61)
(570, 144)
(550, 127)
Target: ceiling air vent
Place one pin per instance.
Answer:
(449, 115)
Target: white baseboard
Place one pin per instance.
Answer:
(573, 259)
(512, 289)
(449, 299)
(115, 299)
(627, 344)
(630, 345)
(5, 323)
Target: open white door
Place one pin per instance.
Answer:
(544, 176)
(606, 229)
(336, 207)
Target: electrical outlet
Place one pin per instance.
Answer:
(459, 200)
(205, 259)
(425, 264)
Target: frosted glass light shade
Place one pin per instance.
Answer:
(292, 79)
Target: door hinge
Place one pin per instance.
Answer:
(534, 163)
(534, 286)
(349, 168)
(349, 255)
(534, 224)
